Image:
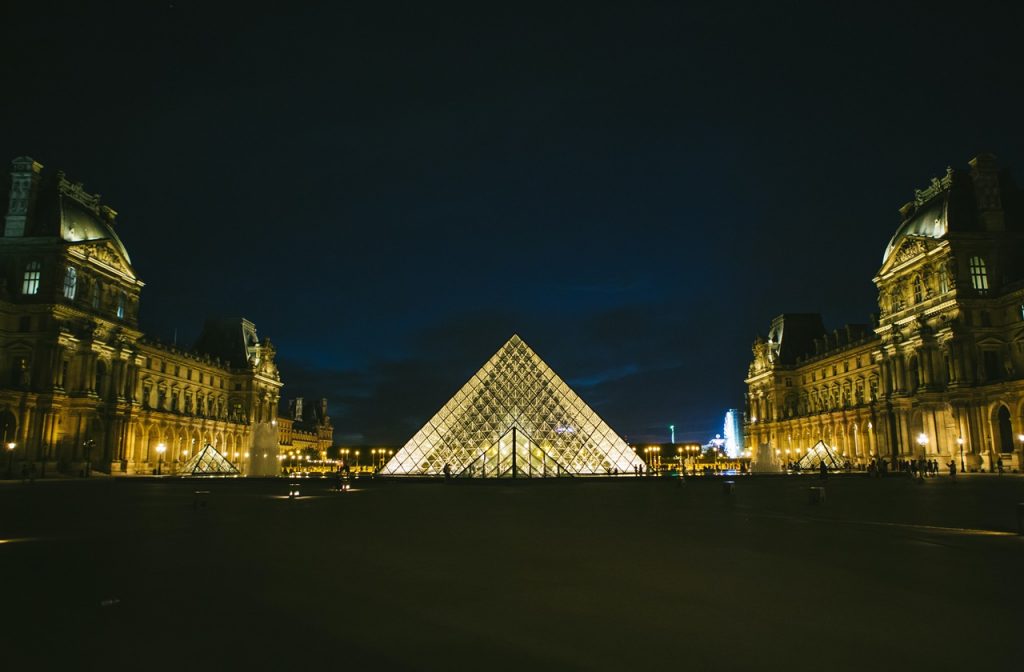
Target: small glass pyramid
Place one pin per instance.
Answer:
(818, 453)
(515, 418)
(208, 462)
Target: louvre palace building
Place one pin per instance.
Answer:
(939, 374)
(81, 387)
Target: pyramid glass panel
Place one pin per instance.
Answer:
(818, 453)
(208, 462)
(515, 418)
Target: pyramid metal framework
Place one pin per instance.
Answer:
(515, 418)
(208, 462)
(818, 453)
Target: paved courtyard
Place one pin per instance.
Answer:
(611, 574)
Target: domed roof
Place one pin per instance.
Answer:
(930, 220)
(78, 223)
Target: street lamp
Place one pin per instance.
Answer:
(11, 445)
(160, 448)
(922, 440)
(960, 442)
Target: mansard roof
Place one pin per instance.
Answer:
(64, 208)
(955, 202)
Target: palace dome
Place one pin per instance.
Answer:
(79, 224)
(930, 220)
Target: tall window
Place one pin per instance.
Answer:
(918, 294)
(70, 283)
(120, 306)
(97, 288)
(943, 282)
(30, 281)
(979, 275)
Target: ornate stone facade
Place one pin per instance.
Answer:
(81, 388)
(940, 373)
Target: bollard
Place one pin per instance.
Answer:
(1020, 518)
(729, 488)
(816, 495)
(293, 490)
(199, 500)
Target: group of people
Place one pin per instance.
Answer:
(917, 468)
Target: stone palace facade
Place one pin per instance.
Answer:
(81, 387)
(940, 372)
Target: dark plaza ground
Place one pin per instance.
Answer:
(611, 574)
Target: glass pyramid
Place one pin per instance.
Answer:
(515, 418)
(818, 453)
(208, 462)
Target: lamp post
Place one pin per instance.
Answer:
(960, 442)
(11, 445)
(160, 448)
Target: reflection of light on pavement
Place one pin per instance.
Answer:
(937, 529)
(21, 540)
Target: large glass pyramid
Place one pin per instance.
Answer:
(208, 462)
(515, 418)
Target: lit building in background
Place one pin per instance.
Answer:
(81, 387)
(305, 430)
(514, 418)
(940, 372)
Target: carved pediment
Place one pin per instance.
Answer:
(106, 253)
(909, 248)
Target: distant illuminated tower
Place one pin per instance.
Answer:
(733, 434)
(672, 433)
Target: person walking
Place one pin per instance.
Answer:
(999, 465)
(823, 470)
(952, 470)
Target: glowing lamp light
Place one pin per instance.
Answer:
(922, 440)
(12, 445)
(160, 448)
(959, 440)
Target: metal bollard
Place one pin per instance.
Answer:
(816, 495)
(729, 488)
(200, 499)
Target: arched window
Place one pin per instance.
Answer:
(1005, 430)
(30, 281)
(979, 275)
(70, 283)
(918, 294)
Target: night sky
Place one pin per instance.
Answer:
(389, 191)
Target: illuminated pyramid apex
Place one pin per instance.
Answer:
(516, 418)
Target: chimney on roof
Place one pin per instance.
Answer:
(24, 182)
(985, 175)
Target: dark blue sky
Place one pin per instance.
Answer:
(390, 190)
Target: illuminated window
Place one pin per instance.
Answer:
(30, 281)
(97, 288)
(70, 283)
(918, 294)
(120, 306)
(1022, 311)
(979, 275)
